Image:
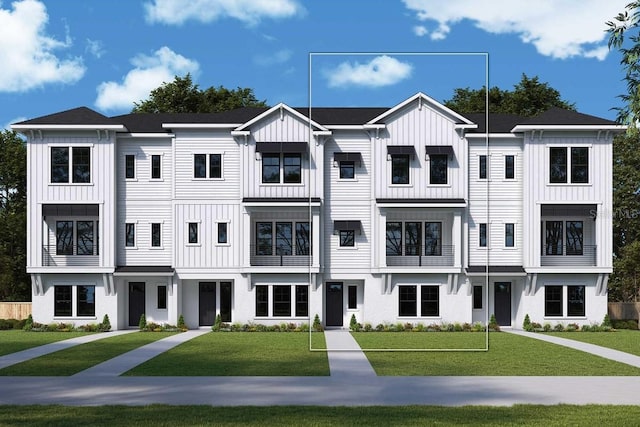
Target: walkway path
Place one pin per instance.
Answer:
(346, 359)
(607, 353)
(32, 353)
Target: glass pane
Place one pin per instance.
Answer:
(483, 167)
(86, 301)
(554, 237)
(413, 234)
(438, 168)
(353, 297)
(509, 235)
(407, 301)
(433, 238)
(130, 166)
(215, 166)
(575, 301)
(292, 168)
(553, 301)
(199, 166)
(81, 164)
(282, 301)
(193, 232)
(85, 237)
(483, 235)
(130, 235)
(430, 301)
(64, 237)
(509, 167)
(62, 303)
(399, 169)
(347, 238)
(222, 232)
(302, 301)
(59, 164)
(155, 166)
(575, 238)
(262, 301)
(284, 238)
(271, 168)
(303, 238)
(347, 170)
(477, 297)
(394, 238)
(226, 295)
(558, 165)
(264, 238)
(580, 165)
(155, 235)
(162, 297)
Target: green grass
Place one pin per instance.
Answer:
(623, 339)
(17, 340)
(508, 355)
(421, 340)
(83, 356)
(240, 353)
(163, 415)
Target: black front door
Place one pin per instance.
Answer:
(334, 304)
(207, 301)
(136, 302)
(502, 301)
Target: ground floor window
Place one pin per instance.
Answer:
(162, 297)
(285, 300)
(477, 297)
(85, 297)
(429, 300)
(554, 297)
(353, 297)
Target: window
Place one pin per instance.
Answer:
(430, 300)
(482, 240)
(64, 237)
(352, 302)
(284, 238)
(80, 164)
(200, 166)
(347, 169)
(156, 240)
(438, 168)
(226, 295)
(264, 238)
(130, 166)
(509, 235)
(84, 237)
(303, 238)
(477, 297)
(554, 237)
(193, 232)
(509, 167)
(579, 165)
(575, 301)
(262, 301)
(86, 301)
(130, 235)
(394, 238)
(413, 234)
(561, 163)
(553, 300)
(400, 169)
(482, 166)
(282, 301)
(347, 238)
(433, 238)
(155, 166)
(407, 301)
(270, 168)
(575, 237)
(302, 300)
(292, 168)
(222, 233)
(162, 297)
(62, 303)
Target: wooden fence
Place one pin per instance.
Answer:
(15, 310)
(624, 310)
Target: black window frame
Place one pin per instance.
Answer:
(85, 243)
(394, 241)
(267, 165)
(438, 169)
(62, 301)
(407, 301)
(482, 166)
(510, 166)
(292, 168)
(199, 166)
(558, 164)
(576, 301)
(347, 169)
(482, 235)
(430, 301)
(226, 301)
(478, 301)
(284, 238)
(81, 165)
(215, 166)
(130, 166)
(303, 238)
(553, 301)
(433, 242)
(64, 243)
(509, 235)
(264, 238)
(262, 301)
(193, 233)
(59, 164)
(554, 235)
(156, 235)
(347, 238)
(281, 301)
(400, 169)
(85, 301)
(574, 238)
(223, 233)
(302, 300)
(156, 166)
(162, 297)
(579, 165)
(130, 235)
(352, 297)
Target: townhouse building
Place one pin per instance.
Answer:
(414, 213)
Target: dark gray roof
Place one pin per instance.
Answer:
(558, 116)
(342, 115)
(498, 122)
(75, 116)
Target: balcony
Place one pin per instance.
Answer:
(70, 257)
(283, 256)
(423, 256)
(563, 255)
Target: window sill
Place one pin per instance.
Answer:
(564, 318)
(156, 248)
(439, 185)
(569, 184)
(131, 179)
(400, 185)
(193, 244)
(347, 180)
(75, 318)
(347, 248)
(206, 179)
(74, 184)
(130, 248)
(223, 245)
(281, 184)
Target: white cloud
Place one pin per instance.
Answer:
(557, 28)
(27, 52)
(279, 57)
(251, 12)
(7, 126)
(420, 30)
(149, 73)
(380, 71)
(95, 48)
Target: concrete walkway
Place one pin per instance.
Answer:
(32, 353)
(607, 353)
(346, 359)
(124, 362)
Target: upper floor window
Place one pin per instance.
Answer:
(347, 169)
(292, 170)
(482, 167)
(347, 238)
(509, 167)
(156, 168)
(223, 238)
(482, 240)
(285, 168)
(413, 238)
(565, 164)
(214, 163)
(156, 236)
(283, 238)
(84, 238)
(130, 166)
(438, 165)
(400, 168)
(79, 169)
(555, 243)
(130, 235)
(192, 229)
(509, 235)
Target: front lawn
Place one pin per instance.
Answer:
(422, 340)
(240, 354)
(83, 356)
(623, 339)
(507, 355)
(164, 415)
(17, 340)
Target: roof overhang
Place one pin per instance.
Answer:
(200, 125)
(421, 203)
(19, 127)
(459, 120)
(281, 108)
(591, 128)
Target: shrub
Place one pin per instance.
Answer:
(353, 323)
(217, 324)
(408, 326)
(105, 326)
(493, 324)
(419, 327)
(434, 327)
(606, 321)
(28, 325)
(477, 327)
(304, 327)
(546, 327)
(181, 324)
(367, 327)
(6, 324)
(457, 327)
(466, 327)
(379, 327)
(559, 327)
(317, 326)
(526, 324)
(142, 324)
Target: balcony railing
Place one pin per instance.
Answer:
(70, 257)
(421, 256)
(563, 255)
(284, 256)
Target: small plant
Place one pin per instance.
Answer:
(419, 327)
(353, 323)
(457, 327)
(28, 325)
(526, 325)
(317, 326)
(368, 327)
(181, 324)
(559, 327)
(217, 325)
(142, 324)
(477, 327)
(379, 327)
(493, 324)
(606, 322)
(546, 327)
(105, 326)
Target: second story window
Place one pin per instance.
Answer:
(130, 235)
(156, 168)
(509, 167)
(78, 170)
(347, 169)
(156, 236)
(482, 240)
(569, 165)
(482, 165)
(347, 238)
(292, 170)
(509, 235)
(193, 233)
(271, 168)
(207, 166)
(281, 168)
(438, 165)
(130, 166)
(223, 238)
(400, 169)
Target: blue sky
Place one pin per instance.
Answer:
(61, 54)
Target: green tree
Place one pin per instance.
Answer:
(183, 96)
(624, 284)
(528, 98)
(14, 281)
(626, 191)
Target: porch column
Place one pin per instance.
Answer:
(382, 242)
(245, 254)
(315, 238)
(456, 238)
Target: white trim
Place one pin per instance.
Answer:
(593, 128)
(36, 126)
(278, 107)
(200, 125)
(433, 103)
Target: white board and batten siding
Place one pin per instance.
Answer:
(286, 129)
(420, 127)
(143, 187)
(99, 191)
(597, 191)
